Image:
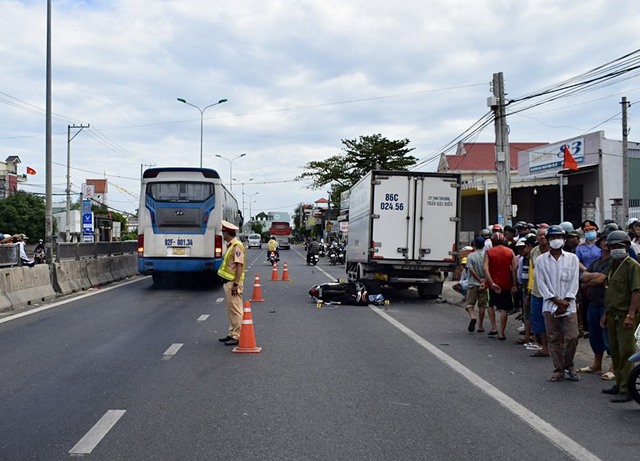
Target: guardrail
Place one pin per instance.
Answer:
(84, 250)
(10, 252)
(9, 255)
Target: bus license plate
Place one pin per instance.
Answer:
(173, 251)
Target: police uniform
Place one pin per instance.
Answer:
(232, 270)
(623, 279)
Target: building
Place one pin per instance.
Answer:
(96, 190)
(542, 189)
(9, 177)
(476, 164)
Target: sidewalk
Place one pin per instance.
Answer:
(584, 354)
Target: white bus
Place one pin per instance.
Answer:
(179, 228)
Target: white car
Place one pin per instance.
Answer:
(255, 241)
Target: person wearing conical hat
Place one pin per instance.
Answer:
(232, 270)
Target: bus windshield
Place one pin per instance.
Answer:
(183, 192)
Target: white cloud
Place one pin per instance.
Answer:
(299, 75)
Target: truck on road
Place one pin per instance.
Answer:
(403, 230)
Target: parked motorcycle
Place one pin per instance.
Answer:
(333, 255)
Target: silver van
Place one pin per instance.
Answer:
(255, 241)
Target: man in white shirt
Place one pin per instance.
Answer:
(557, 274)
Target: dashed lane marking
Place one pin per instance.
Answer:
(173, 350)
(97, 433)
(203, 318)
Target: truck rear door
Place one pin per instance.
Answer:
(414, 217)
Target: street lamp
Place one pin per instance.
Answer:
(251, 199)
(243, 183)
(230, 167)
(182, 100)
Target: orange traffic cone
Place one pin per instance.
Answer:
(257, 290)
(285, 273)
(247, 343)
(274, 272)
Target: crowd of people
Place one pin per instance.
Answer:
(565, 284)
(21, 240)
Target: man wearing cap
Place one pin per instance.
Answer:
(621, 315)
(558, 274)
(232, 270)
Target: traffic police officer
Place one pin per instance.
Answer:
(621, 301)
(232, 270)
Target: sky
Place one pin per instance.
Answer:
(299, 77)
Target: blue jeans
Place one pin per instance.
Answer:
(598, 337)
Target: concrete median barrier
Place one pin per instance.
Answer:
(26, 285)
(70, 277)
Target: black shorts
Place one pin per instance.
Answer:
(502, 301)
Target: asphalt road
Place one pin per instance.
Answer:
(137, 373)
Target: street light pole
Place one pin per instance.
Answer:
(184, 101)
(243, 183)
(250, 203)
(230, 168)
(68, 190)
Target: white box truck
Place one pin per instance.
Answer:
(403, 230)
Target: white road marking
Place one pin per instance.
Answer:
(173, 350)
(74, 298)
(220, 300)
(203, 318)
(553, 434)
(97, 433)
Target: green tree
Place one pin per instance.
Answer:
(23, 213)
(357, 158)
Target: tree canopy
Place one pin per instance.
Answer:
(357, 158)
(23, 213)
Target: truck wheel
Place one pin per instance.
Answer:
(430, 290)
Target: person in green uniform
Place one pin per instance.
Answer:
(621, 316)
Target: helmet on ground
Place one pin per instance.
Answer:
(555, 230)
(497, 238)
(618, 236)
(566, 226)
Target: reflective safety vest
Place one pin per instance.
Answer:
(225, 271)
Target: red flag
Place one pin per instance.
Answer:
(569, 162)
(30, 170)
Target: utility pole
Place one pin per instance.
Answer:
(503, 157)
(68, 191)
(48, 214)
(625, 161)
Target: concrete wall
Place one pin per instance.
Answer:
(23, 286)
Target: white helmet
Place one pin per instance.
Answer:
(631, 221)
